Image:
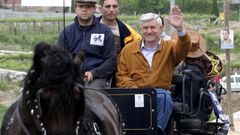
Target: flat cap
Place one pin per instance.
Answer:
(86, 1)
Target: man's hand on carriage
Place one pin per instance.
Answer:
(176, 19)
(88, 76)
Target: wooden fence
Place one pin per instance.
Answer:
(32, 27)
(55, 26)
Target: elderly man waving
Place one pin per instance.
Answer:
(150, 63)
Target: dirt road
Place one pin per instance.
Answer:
(236, 120)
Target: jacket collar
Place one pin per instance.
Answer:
(137, 46)
(93, 22)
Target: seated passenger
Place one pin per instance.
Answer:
(196, 61)
(203, 69)
(199, 62)
(198, 80)
(150, 63)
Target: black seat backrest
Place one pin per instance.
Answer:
(138, 109)
(190, 99)
(176, 85)
(179, 82)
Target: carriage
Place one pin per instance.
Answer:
(138, 109)
(52, 103)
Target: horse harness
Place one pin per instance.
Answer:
(88, 125)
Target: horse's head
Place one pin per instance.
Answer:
(52, 99)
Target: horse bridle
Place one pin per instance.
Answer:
(39, 124)
(37, 111)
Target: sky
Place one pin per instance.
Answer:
(49, 3)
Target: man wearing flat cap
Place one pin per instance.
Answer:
(95, 40)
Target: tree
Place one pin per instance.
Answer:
(214, 8)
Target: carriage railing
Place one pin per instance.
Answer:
(178, 85)
(184, 112)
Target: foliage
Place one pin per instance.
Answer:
(236, 42)
(214, 8)
(192, 16)
(26, 40)
(142, 6)
(210, 7)
(128, 6)
(235, 64)
(163, 6)
(213, 42)
(19, 62)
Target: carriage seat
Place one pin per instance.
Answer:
(179, 105)
(189, 123)
(180, 108)
(186, 119)
(197, 126)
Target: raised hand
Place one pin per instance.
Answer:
(176, 19)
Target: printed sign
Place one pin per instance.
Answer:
(227, 39)
(139, 100)
(97, 39)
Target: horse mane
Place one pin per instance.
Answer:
(52, 68)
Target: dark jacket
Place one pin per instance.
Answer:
(97, 43)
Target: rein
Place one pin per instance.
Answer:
(39, 125)
(19, 118)
(37, 120)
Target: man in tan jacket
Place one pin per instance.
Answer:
(150, 63)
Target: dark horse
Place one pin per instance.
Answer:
(53, 101)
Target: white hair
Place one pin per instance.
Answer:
(149, 17)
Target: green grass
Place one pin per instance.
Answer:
(2, 111)
(19, 62)
(7, 85)
(25, 41)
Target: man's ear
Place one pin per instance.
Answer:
(161, 27)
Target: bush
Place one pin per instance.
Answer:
(213, 42)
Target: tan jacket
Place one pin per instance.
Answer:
(133, 70)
